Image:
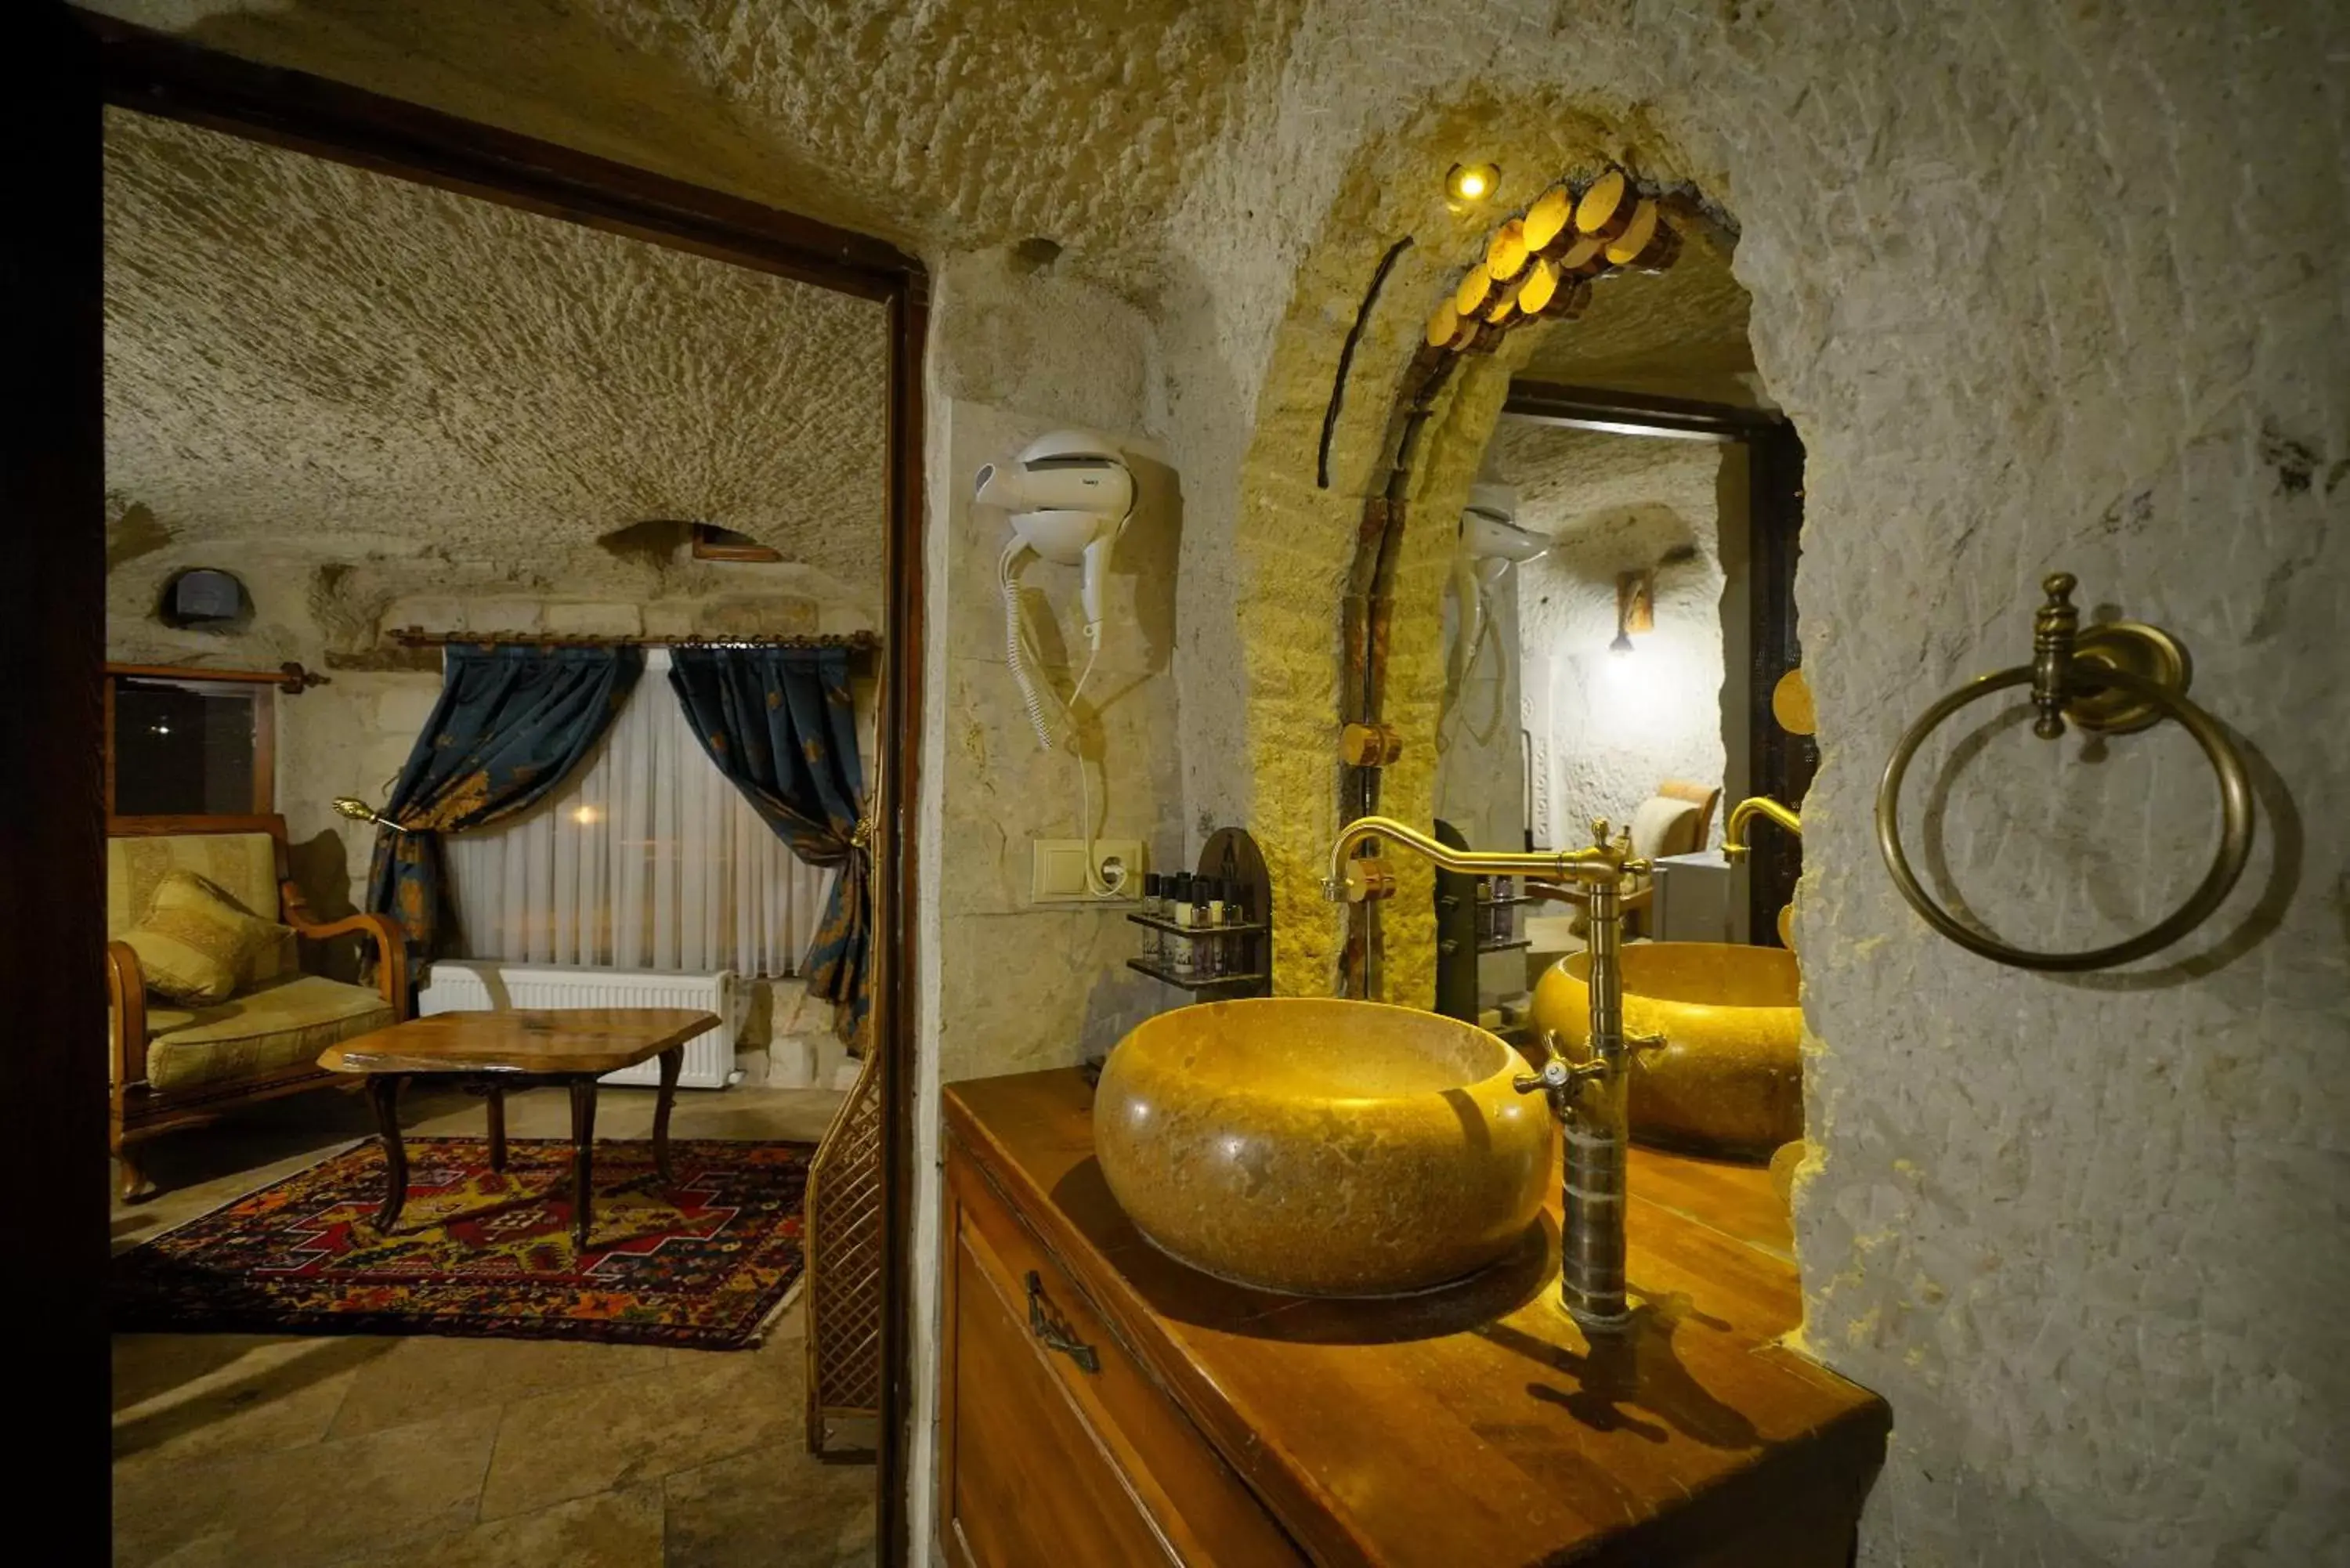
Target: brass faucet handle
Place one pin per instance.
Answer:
(1646, 1041)
(1599, 833)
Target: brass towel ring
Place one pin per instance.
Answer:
(2115, 677)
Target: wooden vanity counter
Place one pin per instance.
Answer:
(1105, 1404)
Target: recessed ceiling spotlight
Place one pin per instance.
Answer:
(1466, 184)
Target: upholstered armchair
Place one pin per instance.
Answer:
(1677, 820)
(179, 1065)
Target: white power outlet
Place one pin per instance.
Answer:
(1059, 870)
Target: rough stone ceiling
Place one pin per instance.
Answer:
(1676, 334)
(969, 124)
(317, 360)
(1569, 481)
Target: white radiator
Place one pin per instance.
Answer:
(483, 985)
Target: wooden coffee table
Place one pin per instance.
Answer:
(490, 1053)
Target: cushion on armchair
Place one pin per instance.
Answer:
(1662, 825)
(275, 1025)
(196, 945)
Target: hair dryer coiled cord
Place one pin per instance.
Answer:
(1036, 699)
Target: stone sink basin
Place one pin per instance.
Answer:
(1729, 1080)
(1322, 1147)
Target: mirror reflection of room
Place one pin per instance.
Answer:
(1602, 633)
(494, 621)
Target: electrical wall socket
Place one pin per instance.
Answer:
(1059, 870)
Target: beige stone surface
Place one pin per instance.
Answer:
(257, 1452)
(1322, 1147)
(1725, 1075)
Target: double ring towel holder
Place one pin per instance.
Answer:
(2110, 679)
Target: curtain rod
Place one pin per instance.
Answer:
(417, 636)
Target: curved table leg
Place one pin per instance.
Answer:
(384, 1091)
(497, 1109)
(672, 1063)
(583, 1147)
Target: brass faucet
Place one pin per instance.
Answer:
(1591, 1098)
(1733, 832)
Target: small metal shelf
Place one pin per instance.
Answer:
(1194, 981)
(1157, 924)
(1519, 946)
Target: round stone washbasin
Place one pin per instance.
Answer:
(1322, 1147)
(1728, 1079)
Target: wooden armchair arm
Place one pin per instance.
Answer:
(390, 947)
(127, 989)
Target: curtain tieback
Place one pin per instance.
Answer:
(862, 835)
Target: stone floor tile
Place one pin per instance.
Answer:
(609, 1530)
(306, 1507)
(768, 1508)
(191, 1396)
(583, 1440)
(427, 1375)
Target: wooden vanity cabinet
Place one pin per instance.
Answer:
(1106, 1407)
(1055, 1449)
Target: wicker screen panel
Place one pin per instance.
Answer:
(845, 1258)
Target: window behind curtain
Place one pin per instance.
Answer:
(647, 859)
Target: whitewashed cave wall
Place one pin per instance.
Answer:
(2041, 287)
(1017, 348)
(1607, 729)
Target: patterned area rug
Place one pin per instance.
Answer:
(701, 1262)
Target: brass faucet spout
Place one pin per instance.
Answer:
(1733, 832)
(1602, 863)
(1592, 1097)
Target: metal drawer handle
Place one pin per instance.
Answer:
(1051, 1335)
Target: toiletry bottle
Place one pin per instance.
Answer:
(1154, 906)
(1239, 952)
(1179, 947)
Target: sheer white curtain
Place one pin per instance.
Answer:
(646, 859)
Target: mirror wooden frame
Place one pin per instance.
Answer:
(67, 66)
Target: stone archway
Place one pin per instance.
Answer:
(1298, 541)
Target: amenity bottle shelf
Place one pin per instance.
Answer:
(1157, 924)
(1194, 981)
(1243, 952)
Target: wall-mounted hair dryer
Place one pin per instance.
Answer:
(1070, 495)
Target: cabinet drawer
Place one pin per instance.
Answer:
(1031, 1485)
(1203, 1511)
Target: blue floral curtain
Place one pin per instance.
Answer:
(781, 724)
(513, 721)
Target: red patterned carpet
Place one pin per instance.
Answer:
(701, 1262)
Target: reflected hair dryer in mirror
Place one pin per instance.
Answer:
(1491, 543)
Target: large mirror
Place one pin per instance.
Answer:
(497, 612)
(1619, 621)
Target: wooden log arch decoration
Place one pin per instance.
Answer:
(1536, 264)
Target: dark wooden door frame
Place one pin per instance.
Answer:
(157, 73)
(1779, 764)
(53, 640)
